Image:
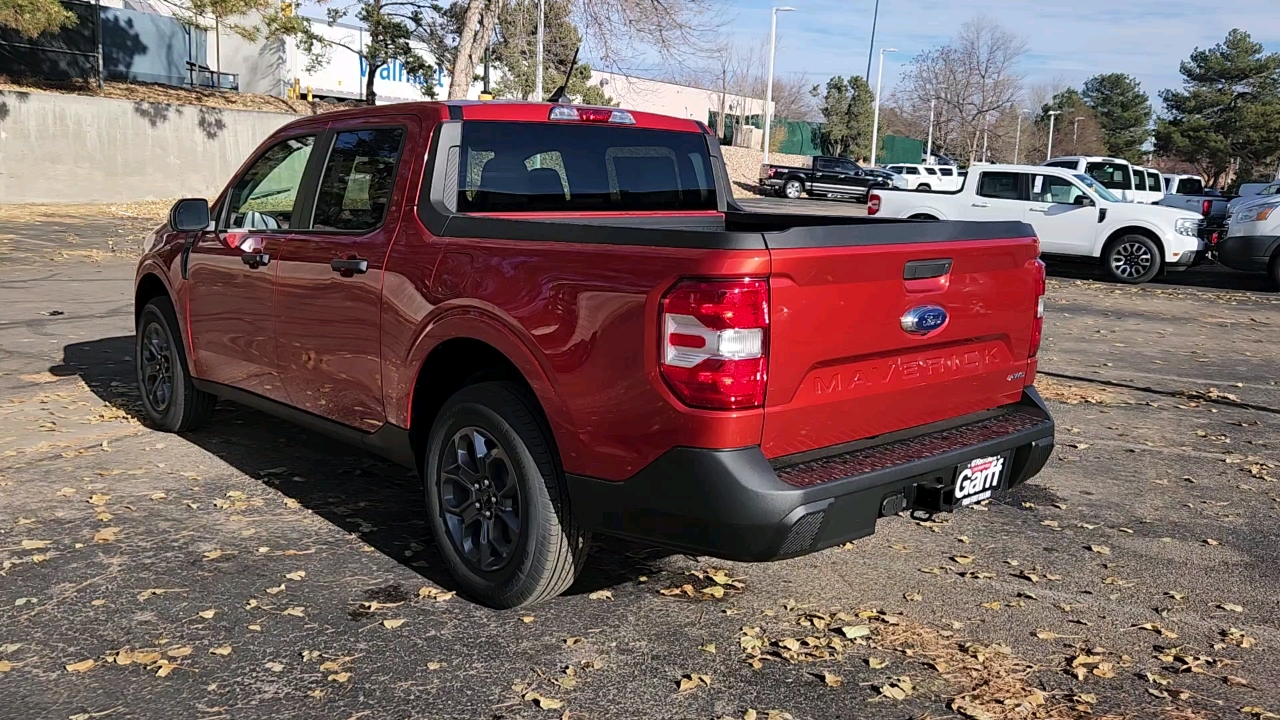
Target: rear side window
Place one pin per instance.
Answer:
(999, 185)
(1068, 164)
(910, 171)
(1155, 183)
(1139, 181)
(358, 180)
(825, 164)
(1112, 176)
(946, 172)
(546, 167)
(263, 197)
(931, 171)
(1190, 186)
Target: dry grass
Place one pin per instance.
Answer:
(171, 95)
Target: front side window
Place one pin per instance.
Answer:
(895, 169)
(848, 167)
(1113, 176)
(264, 196)
(1055, 190)
(946, 172)
(549, 167)
(825, 164)
(999, 185)
(1096, 187)
(358, 180)
(931, 171)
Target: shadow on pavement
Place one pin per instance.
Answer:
(1209, 276)
(358, 492)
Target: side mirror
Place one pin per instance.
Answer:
(858, 173)
(1084, 200)
(189, 215)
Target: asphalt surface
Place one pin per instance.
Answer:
(258, 571)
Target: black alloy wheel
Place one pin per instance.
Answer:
(158, 361)
(480, 499)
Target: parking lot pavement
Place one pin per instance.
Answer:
(254, 570)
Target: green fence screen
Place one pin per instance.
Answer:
(799, 137)
(895, 149)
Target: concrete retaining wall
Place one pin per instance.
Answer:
(72, 148)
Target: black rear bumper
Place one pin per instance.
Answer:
(1250, 253)
(736, 505)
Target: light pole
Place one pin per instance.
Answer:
(875, 19)
(986, 134)
(1049, 153)
(875, 122)
(768, 90)
(1075, 136)
(1017, 139)
(537, 78)
(928, 153)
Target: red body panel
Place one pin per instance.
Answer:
(843, 369)
(579, 321)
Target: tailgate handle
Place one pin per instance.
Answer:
(924, 269)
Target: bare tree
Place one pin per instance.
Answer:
(972, 80)
(792, 99)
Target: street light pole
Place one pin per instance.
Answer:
(986, 135)
(928, 153)
(1017, 139)
(875, 123)
(875, 19)
(1075, 136)
(537, 77)
(768, 90)
(1053, 114)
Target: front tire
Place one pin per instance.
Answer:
(1132, 259)
(792, 189)
(169, 399)
(496, 498)
(1273, 273)
(924, 188)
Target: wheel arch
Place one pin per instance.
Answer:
(148, 288)
(1135, 230)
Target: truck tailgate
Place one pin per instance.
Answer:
(841, 365)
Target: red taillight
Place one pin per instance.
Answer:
(715, 341)
(1206, 207)
(772, 171)
(586, 114)
(873, 204)
(1037, 325)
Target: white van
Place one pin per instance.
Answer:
(1147, 190)
(928, 178)
(1114, 174)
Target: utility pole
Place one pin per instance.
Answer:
(1053, 114)
(875, 122)
(986, 134)
(1017, 139)
(768, 90)
(537, 78)
(928, 153)
(875, 19)
(1075, 136)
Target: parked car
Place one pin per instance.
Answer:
(1073, 215)
(1189, 193)
(1115, 174)
(1251, 194)
(927, 178)
(888, 179)
(829, 177)
(1147, 185)
(559, 318)
(1254, 188)
(1252, 242)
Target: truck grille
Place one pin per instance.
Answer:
(900, 452)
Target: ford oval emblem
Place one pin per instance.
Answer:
(924, 319)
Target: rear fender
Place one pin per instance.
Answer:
(487, 324)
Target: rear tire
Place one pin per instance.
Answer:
(921, 216)
(924, 188)
(1273, 273)
(496, 498)
(1132, 259)
(169, 400)
(792, 189)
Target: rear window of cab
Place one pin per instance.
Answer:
(559, 167)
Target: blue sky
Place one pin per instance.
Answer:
(1066, 39)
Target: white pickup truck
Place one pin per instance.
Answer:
(1071, 213)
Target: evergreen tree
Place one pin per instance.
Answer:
(847, 112)
(1124, 113)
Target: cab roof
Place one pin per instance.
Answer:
(509, 111)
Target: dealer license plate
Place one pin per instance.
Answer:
(979, 479)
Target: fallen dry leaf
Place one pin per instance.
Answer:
(574, 641)
(1100, 549)
(832, 680)
(694, 680)
(963, 559)
(876, 663)
(207, 614)
(179, 652)
(856, 631)
(601, 595)
(295, 611)
(897, 688)
(106, 535)
(296, 575)
(1230, 607)
(544, 703)
(82, 666)
(223, 650)
(392, 624)
(35, 544)
(340, 677)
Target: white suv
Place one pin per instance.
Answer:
(1114, 174)
(929, 178)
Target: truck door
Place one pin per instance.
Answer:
(999, 195)
(329, 281)
(1062, 221)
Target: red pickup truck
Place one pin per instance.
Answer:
(559, 316)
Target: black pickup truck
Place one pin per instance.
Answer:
(829, 177)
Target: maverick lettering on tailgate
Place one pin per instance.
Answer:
(909, 371)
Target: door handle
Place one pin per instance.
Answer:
(349, 267)
(982, 204)
(255, 260)
(1039, 209)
